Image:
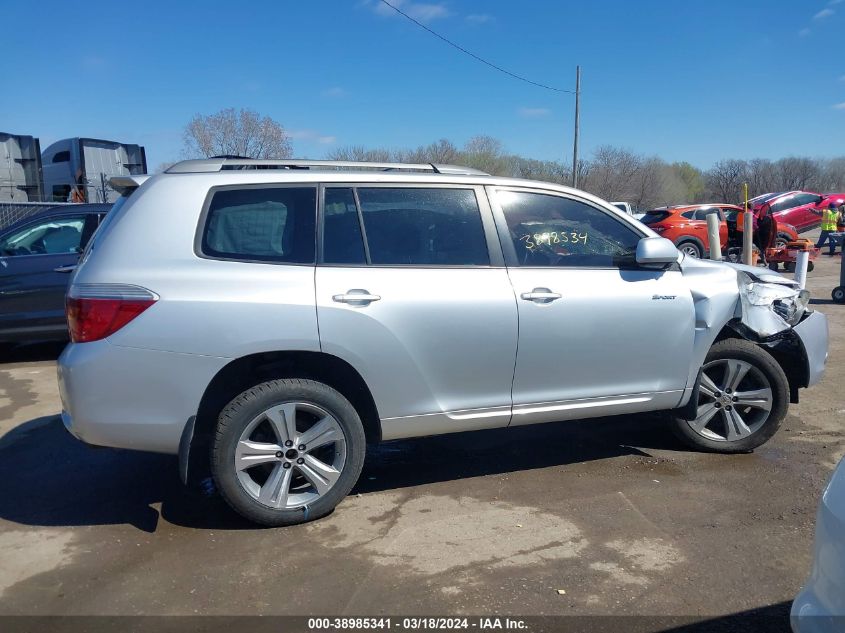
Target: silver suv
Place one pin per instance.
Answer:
(265, 320)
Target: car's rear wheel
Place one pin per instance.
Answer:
(743, 396)
(782, 240)
(287, 451)
(690, 248)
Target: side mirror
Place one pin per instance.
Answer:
(656, 251)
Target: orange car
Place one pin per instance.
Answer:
(686, 226)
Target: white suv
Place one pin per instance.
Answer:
(264, 320)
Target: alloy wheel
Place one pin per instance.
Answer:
(734, 400)
(689, 249)
(290, 455)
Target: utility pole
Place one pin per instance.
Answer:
(577, 126)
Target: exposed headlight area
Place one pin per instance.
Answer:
(771, 303)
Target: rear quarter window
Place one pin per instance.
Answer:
(653, 217)
(264, 224)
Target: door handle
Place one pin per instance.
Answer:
(540, 295)
(65, 269)
(356, 297)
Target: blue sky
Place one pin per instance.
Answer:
(691, 80)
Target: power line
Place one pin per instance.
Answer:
(473, 55)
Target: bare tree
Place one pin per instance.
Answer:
(361, 153)
(612, 173)
(443, 151)
(237, 133)
(615, 173)
(485, 153)
(762, 177)
(724, 180)
(797, 173)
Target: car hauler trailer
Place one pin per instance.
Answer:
(79, 169)
(20, 168)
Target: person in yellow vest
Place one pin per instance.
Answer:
(830, 215)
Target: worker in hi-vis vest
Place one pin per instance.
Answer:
(829, 219)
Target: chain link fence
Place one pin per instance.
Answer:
(11, 212)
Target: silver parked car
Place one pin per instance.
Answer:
(820, 606)
(264, 320)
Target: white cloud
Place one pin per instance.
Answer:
(804, 32)
(839, 106)
(420, 11)
(479, 18)
(534, 113)
(833, 2)
(334, 92)
(824, 13)
(842, 78)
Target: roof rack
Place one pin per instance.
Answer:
(208, 165)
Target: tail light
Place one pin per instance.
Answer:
(95, 311)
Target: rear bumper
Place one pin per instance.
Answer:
(131, 398)
(813, 334)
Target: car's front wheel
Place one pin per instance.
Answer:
(690, 248)
(287, 451)
(743, 396)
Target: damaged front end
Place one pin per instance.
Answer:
(774, 312)
(769, 303)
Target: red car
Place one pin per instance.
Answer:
(801, 209)
(686, 226)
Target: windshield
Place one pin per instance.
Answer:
(653, 217)
(764, 198)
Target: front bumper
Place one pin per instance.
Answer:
(813, 334)
(132, 398)
(820, 606)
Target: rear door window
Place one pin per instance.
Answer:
(343, 242)
(425, 226)
(263, 224)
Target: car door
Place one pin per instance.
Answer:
(597, 334)
(35, 260)
(701, 214)
(806, 212)
(785, 210)
(419, 303)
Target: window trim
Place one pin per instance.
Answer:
(495, 255)
(506, 241)
(202, 222)
(52, 218)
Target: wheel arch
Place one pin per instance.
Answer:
(786, 348)
(245, 372)
(683, 239)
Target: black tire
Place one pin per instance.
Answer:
(838, 294)
(774, 266)
(782, 240)
(241, 411)
(759, 359)
(790, 267)
(694, 249)
(810, 267)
